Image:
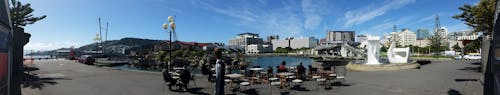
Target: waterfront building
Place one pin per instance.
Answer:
(422, 34)
(244, 39)
(339, 37)
(295, 43)
(270, 38)
(258, 48)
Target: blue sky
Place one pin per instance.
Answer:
(74, 23)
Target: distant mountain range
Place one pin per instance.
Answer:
(114, 46)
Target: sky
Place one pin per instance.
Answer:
(75, 22)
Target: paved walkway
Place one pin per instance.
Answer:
(63, 77)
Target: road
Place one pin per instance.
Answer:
(64, 77)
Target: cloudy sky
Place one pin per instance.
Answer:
(75, 22)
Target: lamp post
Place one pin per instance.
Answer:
(172, 26)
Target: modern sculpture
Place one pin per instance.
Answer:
(372, 48)
(398, 55)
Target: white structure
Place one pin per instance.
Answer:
(398, 55)
(373, 48)
(296, 43)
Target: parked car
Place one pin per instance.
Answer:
(459, 57)
(86, 59)
(472, 57)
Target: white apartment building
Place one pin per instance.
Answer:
(296, 43)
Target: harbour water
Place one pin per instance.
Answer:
(273, 61)
(262, 61)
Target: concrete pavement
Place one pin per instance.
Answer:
(64, 77)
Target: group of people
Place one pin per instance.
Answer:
(184, 77)
(300, 69)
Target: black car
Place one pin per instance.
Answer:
(86, 59)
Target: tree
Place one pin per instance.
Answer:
(21, 14)
(456, 47)
(436, 44)
(480, 16)
(383, 49)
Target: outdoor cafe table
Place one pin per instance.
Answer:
(255, 70)
(283, 76)
(233, 76)
(174, 73)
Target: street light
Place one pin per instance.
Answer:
(172, 26)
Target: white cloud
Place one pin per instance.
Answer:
(386, 26)
(314, 12)
(367, 13)
(426, 18)
(457, 27)
(243, 14)
(49, 46)
(285, 19)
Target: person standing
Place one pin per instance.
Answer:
(185, 77)
(301, 70)
(219, 71)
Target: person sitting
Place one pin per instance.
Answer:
(300, 70)
(168, 78)
(185, 77)
(269, 71)
(282, 67)
(204, 69)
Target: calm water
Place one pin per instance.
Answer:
(273, 61)
(263, 61)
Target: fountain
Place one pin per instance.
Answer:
(398, 58)
(398, 55)
(372, 48)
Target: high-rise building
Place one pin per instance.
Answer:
(244, 39)
(422, 34)
(339, 37)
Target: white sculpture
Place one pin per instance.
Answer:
(398, 55)
(372, 50)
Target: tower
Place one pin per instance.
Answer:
(437, 24)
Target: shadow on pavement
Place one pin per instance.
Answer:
(284, 93)
(473, 69)
(251, 92)
(33, 81)
(462, 80)
(299, 88)
(424, 62)
(476, 63)
(453, 92)
(197, 91)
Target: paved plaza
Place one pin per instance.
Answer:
(64, 77)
